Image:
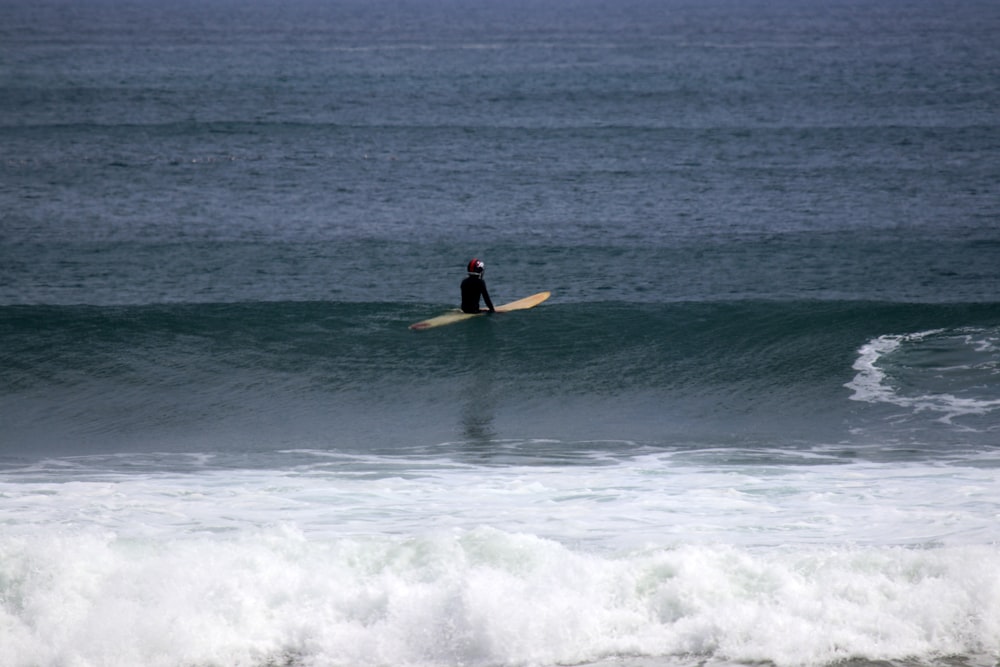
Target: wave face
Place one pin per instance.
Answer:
(329, 374)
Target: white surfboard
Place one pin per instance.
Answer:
(453, 316)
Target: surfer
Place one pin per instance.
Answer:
(473, 287)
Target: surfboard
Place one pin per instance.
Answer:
(456, 315)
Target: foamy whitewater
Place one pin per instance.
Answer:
(969, 363)
(371, 561)
(756, 425)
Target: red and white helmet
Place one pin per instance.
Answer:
(476, 266)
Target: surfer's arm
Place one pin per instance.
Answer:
(486, 298)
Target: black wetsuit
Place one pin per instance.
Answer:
(472, 288)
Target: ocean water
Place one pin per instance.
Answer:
(758, 422)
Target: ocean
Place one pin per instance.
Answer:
(757, 423)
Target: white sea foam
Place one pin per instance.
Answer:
(445, 563)
(952, 372)
(480, 597)
(769, 499)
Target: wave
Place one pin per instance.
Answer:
(611, 370)
(691, 341)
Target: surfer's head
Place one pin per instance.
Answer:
(476, 267)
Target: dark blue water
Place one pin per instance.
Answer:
(756, 422)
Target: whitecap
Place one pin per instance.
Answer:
(948, 371)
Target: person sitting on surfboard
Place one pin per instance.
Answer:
(473, 287)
